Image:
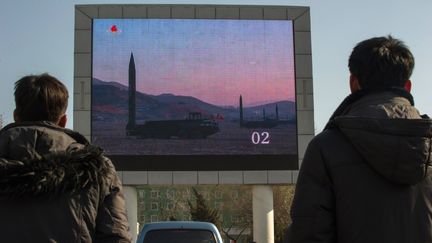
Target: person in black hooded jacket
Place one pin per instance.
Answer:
(54, 185)
(367, 178)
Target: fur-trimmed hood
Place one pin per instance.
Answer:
(41, 159)
(53, 174)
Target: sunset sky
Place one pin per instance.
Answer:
(212, 60)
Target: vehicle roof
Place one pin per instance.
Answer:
(180, 225)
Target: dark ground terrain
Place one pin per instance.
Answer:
(230, 140)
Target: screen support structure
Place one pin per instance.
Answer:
(262, 179)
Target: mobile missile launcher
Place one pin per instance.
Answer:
(193, 127)
(264, 123)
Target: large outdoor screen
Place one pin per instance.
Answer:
(195, 92)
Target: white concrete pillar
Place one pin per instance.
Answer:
(262, 210)
(131, 199)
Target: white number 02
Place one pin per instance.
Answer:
(263, 138)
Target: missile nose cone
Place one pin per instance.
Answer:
(131, 62)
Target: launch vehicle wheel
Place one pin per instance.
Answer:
(162, 135)
(196, 135)
(145, 135)
(183, 134)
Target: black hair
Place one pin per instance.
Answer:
(40, 98)
(381, 62)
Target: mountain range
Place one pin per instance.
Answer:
(110, 103)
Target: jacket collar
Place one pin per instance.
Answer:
(348, 103)
(47, 124)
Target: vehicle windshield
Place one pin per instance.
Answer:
(179, 236)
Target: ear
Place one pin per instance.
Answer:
(62, 121)
(16, 118)
(354, 83)
(408, 85)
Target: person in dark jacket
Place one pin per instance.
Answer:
(54, 185)
(367, 178)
